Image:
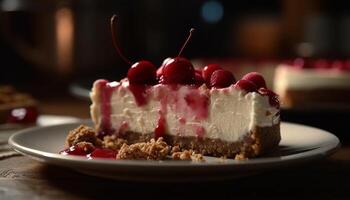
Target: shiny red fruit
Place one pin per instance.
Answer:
(208, 71)
(178, 70)
(246, 85)
(255, 78)
(198, 71)
(221, 79)
(273, 97)
(160, 69)
(102, 153)
(74, 151)
(159, 72)
(23, 115)
(198, 79)
(142, 72)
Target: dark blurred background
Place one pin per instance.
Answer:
(63, 40)
(46, 46)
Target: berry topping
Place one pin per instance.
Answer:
(178, 70)
(102, 153)
(166, 61)
(221, 79)
(23, 115)
(198, 79)
(303, 63)
(208, 71)
(321, 64)
(160, 69)
(256, 78)
(341, 65)
(142, 72)
(198, 71)
(74, 150)
(159, 72)
(246, 85)
(273, 97)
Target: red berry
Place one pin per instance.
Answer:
(198, 79)
(160, 69)
(221, 79)
(256, 78)
(273, 97)
(198, 71)
(166, 61)
(208, 71)
(102, 153)
(159, 72)
(23, 115)
(142, 72)
(74, 150)
(178, 70)
(246, 85)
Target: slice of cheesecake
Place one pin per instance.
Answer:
(234, 120)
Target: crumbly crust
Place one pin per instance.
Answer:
(112, 142)
(133, 145)
(153, 150)
(187, 155)
(82, 133)
(259, 141)
(86, 146)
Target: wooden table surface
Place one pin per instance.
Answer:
(23, 178)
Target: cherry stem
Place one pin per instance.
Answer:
(115, 44)
(188, 39)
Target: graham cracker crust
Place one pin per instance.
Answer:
(259, 141)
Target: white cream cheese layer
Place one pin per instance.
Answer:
(309, 79)
(232, 113)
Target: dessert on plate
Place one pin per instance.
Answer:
(313, 83)
(16, 108)
(179, 110)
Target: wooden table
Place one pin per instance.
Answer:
(23, 178)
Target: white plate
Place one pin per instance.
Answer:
(299, 144)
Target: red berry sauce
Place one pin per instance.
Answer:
(160, 129)
(102, 153)
(140, 93)
(273, 97)
(198, 104)
(74, 151)
(106, 90)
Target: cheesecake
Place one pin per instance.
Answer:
(178, 110)
(17, 109)
(313, 83)
(237, 119)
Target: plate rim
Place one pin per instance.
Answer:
(322, 151)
